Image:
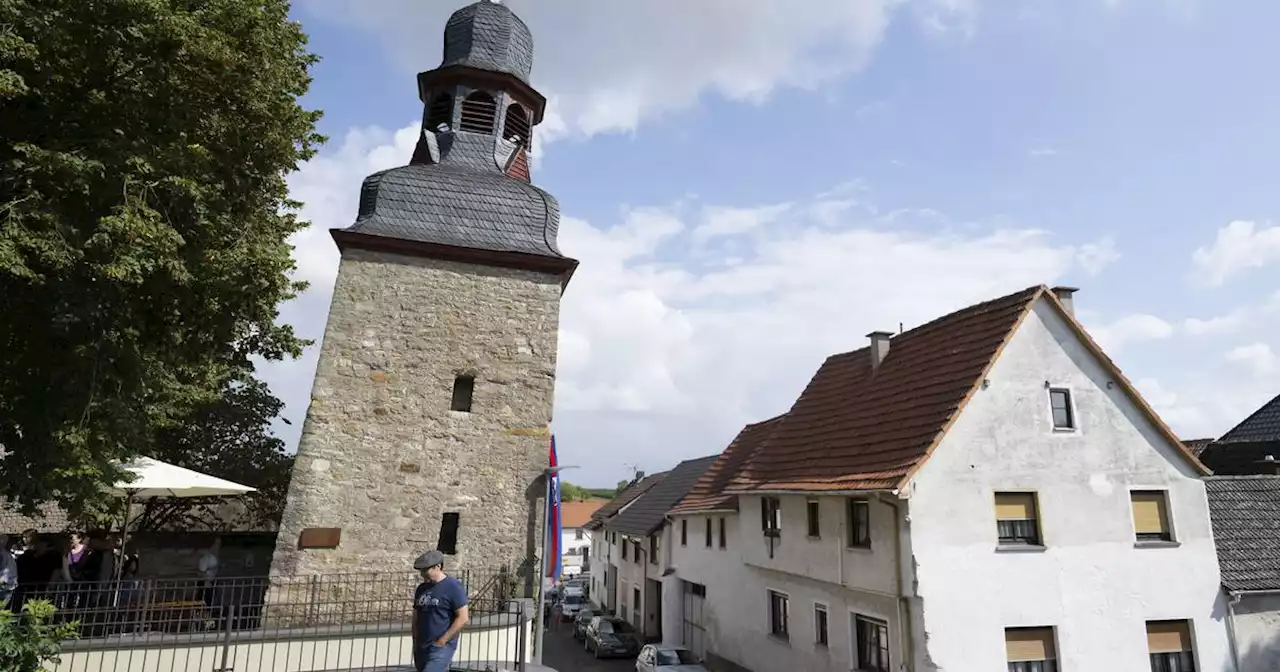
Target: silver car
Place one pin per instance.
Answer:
(655, 658)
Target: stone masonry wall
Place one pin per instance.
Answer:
(382, 456)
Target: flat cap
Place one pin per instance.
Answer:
(429, 559)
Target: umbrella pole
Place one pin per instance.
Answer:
(124, 536)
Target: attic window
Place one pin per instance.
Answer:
(516, 126)
(463, 387)
(440, 112)
(448, 543)
(478, 113)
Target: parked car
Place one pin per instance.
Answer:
(610, 636)
(572, 602)
(655, 658)
(582, 620)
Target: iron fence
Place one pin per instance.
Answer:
(279, 624)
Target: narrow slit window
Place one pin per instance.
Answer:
(708, 533)
(463, 388)
(1017, 523)
(1151, 515)
(813, 518)
(1060, 405)
(684, 531)
(722, 539)
(479, 111)
(859, 520)
(448, 543)
(821, 637)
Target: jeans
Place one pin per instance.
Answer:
(432, 658)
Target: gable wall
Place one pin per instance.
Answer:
(1091, 582)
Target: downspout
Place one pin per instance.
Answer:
(905, 634)
(1233, 598)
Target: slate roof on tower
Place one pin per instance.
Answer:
(855, 428)
(467, 189)
(489, 36)
(645, 516)
(1245, 512)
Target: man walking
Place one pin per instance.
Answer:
(439, 613)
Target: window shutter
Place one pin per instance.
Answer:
(1015, 506)
(1149, 514)
(1168, 636)
(1029, 644)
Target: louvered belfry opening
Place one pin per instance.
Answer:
(440, 112)
(479, 111)
(516, 126)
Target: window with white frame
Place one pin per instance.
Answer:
(1064, 417)
(871, 639)
(821, 629)
(771, 516)
(779, 604)
(1030, 650)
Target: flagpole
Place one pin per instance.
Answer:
(544, 564)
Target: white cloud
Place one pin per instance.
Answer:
(607, 66)
(1042, 152)
(1222, 324)
(1095, 257)
(685, 321)
(1256, 358)
(1239, 247)
(1138, 328)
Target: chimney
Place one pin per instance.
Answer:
(1269, 466)
(1064, 295)
(879, 347)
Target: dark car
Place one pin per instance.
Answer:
(582, 620)
(610, 636)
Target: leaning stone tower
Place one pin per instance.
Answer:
(429, 411)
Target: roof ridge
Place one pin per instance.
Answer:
(1272, 406)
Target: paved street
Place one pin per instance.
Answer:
(565, 654)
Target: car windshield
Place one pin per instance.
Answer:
(573, 599)
(675, 657)
(622, 626)
(605, 626)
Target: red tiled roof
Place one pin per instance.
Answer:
(852, 429)
(576, 514)
(708, 493)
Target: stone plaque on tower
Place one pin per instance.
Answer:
(429, 412)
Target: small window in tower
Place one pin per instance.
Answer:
(478, 113)
(440, 112)
(463, 386)
(516, 126)
(448, 543)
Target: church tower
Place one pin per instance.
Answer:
(429, 412)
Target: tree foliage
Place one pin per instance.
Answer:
(144, 225)
(30, 640)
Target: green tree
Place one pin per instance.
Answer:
(144, 223)
(30, 640)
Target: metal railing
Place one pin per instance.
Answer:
(278, 624)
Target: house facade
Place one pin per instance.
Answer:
(606, 547)
(575, 538)
(986, 491)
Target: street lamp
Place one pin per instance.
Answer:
(544, 566)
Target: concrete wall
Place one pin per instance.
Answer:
(1257, 632)
(382, 456)
(738, 580)
(310, 654)
(1091, 581)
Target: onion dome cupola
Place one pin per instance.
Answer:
(468, 185)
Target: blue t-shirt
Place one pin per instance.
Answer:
(435, 605)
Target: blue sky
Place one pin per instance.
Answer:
(754, 185)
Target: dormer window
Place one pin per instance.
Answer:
(516, 126)
(440, 112)
(479, 111)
